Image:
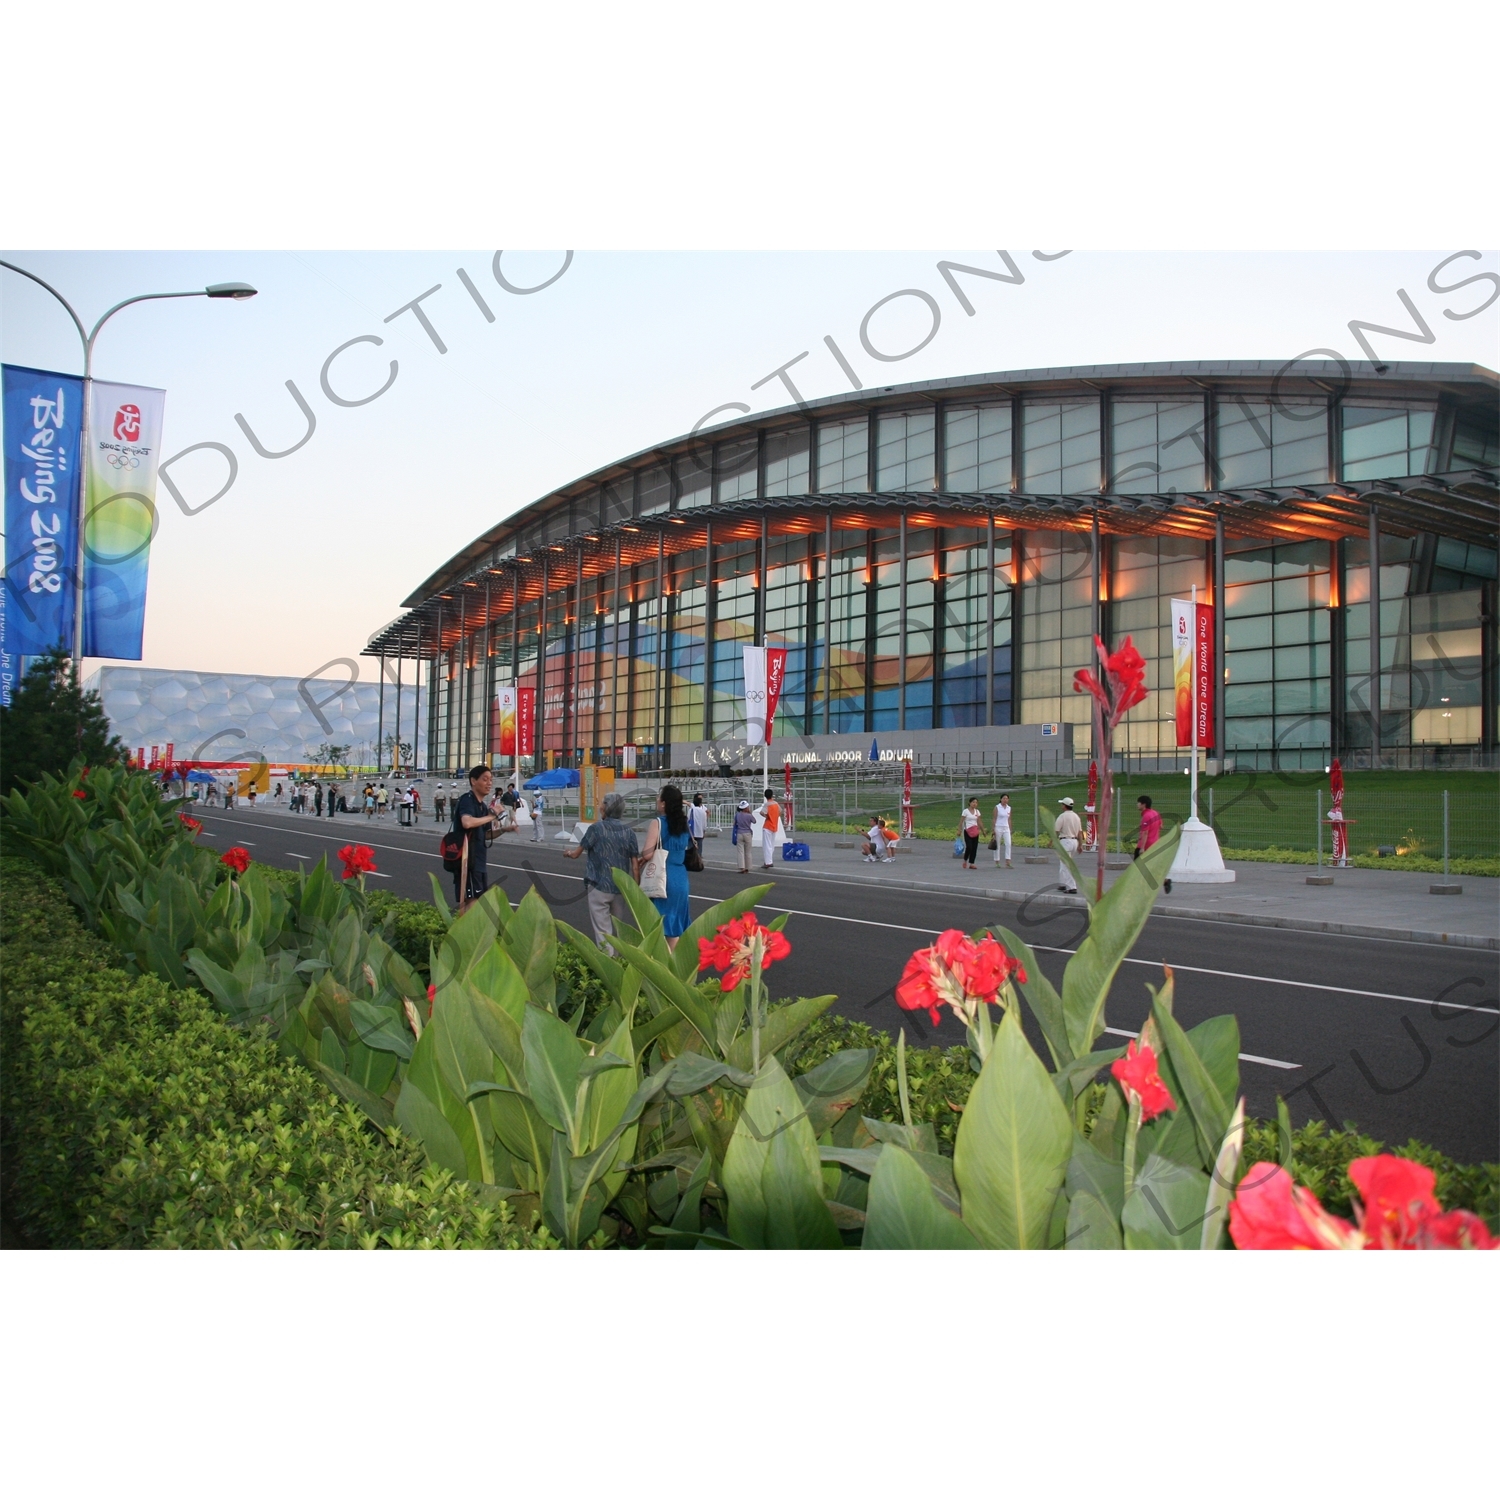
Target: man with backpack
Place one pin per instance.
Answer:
(472, 819)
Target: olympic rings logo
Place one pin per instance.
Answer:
(122, 460)
(755, 695)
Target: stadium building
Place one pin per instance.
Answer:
(937, 558)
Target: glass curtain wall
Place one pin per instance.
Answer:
(882, 648)
(788, 589)
(734, 629)
(1385, 443)
(1142, 575)
(1270, 443)
(977, 449)
(1060, 447)
(786, 461)
(962, 605)
(905, 452)
(1157, 447)
(1277, 654)
(843, 457)
(685, 668)
(852, 593)
(1056, 625)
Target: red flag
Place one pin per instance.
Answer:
(775, 676)
(906, 816)
(526, 721)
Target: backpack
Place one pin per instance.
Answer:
(451, 847)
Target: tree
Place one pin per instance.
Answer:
(331, 755)
(51, 723)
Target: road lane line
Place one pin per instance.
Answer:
(1270, 1062)
(1301, 984)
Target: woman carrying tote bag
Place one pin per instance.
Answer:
(667, 840)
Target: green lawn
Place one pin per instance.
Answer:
(1261, 810)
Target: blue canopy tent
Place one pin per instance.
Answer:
(546, 781)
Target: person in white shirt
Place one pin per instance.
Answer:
(698, 822)
(1001, 829)
(875, 843)
(537, 809)
(968, 828)
(1067, 828)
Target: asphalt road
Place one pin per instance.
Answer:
(1400, 1038)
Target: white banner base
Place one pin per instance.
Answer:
(1198, 860)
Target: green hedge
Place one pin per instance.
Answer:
(135, 1117)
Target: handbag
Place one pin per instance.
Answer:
(958, 847)
(691, 859)
(992, 845)
(654, 875)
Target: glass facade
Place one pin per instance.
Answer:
(1270, 443)
(1157, 447)
(906, 451)
(1277, 630)
(1379, 442)
(843, 457)
(1060, 447)
(651, 652)
(977, 449)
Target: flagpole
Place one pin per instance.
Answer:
(1193, 658)
(765, 738)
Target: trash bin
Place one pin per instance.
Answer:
(403, 816)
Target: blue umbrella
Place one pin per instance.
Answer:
(874, 750)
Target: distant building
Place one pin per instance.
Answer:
(236, 719)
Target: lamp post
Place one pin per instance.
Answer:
(235, 291)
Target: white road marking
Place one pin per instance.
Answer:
(1270, 1062)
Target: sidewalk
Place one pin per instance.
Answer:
(1360, 903)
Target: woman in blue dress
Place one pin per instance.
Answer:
(670, 832)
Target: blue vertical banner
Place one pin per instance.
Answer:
(43, 420)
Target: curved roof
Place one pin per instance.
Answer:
(1463, 385)
(1181, 378)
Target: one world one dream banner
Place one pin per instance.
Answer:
(119, 516)
(43, 416)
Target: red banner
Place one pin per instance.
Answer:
(526, 721)
(775, 676)
(906, 820)
(1203, 668)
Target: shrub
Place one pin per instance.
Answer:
(51, 723)
(134, 1116)
(410, 927)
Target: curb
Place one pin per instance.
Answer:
(1192, 913)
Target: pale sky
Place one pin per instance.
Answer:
(306, 555)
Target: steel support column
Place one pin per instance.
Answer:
(614, 651)
(380, 721)
(1375, 674)
(901, 623)
(827, 618)
(541, 669)
(1220, 730)
(710, 627)
(659, 696)
(989, 640)
(400, 661)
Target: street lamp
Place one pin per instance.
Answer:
(236, 291)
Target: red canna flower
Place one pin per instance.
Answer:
(431, 996)
(189, 822)
(1124, 682)
(1398, 1212)
(1136, 1074)
(237, 859)
(1270, 1212)
(359, 859)
(733, 948)
(79, 793)
(957, 972)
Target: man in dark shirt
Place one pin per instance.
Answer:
(610, 845)
(473, 815)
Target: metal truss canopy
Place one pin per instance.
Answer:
(1464, 505)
